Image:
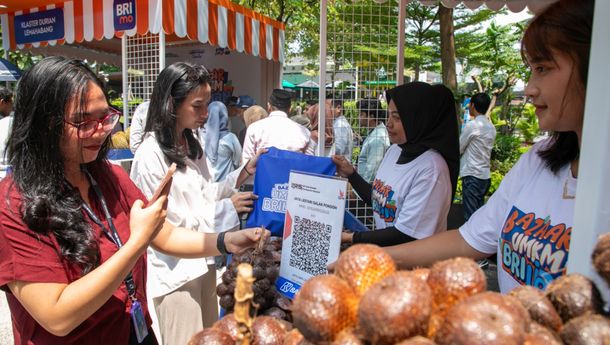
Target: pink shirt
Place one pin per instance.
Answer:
(279, 131)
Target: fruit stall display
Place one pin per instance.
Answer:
(368, 301)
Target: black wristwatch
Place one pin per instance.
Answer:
(220, 244)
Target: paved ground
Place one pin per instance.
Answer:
(6, 331)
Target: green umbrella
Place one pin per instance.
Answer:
(287, 84)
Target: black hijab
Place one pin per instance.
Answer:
(428, 116)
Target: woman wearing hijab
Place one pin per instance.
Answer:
(414, 185)
(222, 147)
(312, 114)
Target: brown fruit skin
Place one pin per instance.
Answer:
(227, 325)
(422, 272)
(211, 336)
(362, 265)
(539, 307)
(323, 307)
(294, 337)
(452, 281)
(267, 330)
(586, 330)
(419, 340)
(396, 308)
(485, 318)
(541, 335)
(347, 337)
(601, 257)
(574, 295)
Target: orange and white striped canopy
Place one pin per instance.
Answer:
(220, 23)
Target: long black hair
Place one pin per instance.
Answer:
(564, 26)
(50, 203)
(172, 87)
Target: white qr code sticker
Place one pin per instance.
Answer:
(312, 228)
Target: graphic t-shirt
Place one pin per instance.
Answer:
(528, 222)
(413, 197)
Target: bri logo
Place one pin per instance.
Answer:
(288, 287)
(124, 14)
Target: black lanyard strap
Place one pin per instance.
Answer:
(112, 234)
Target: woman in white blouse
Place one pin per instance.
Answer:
(183, 290)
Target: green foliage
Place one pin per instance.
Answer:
(457, 199)
(528, 124)
(496, 178)
(506, 149)
(118, 102)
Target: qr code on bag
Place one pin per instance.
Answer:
(310, 245)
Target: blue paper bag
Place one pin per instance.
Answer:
(271, 185)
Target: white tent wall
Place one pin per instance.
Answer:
(592, 213)
(592, 210)
(249, 75)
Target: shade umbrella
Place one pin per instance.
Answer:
(287, 84)
(308, 84)
(8, 71)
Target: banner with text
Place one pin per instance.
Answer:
(312, 229)
(39, 26)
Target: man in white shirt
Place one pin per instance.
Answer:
(476, 142)
(277, 130)
(138, 126)
(342, 132)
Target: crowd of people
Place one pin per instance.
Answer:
(86, 259)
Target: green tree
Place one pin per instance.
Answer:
(496, 54)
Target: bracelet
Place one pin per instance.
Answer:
(246, 169)
(220, 244)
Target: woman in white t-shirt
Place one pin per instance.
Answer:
(528, 221)
(413, 187)
(183, 290)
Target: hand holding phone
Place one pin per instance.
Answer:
(164, 186)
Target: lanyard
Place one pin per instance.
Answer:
(112, 234)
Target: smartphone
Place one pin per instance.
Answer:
(164, 186)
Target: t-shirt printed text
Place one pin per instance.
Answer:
(534, 252)
(383, 204)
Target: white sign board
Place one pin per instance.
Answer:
(312, 230)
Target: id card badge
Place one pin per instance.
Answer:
(139, 323)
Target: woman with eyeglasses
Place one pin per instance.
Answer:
(73, 227)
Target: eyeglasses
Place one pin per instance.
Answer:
(87, 128)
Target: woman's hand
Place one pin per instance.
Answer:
(347, 237)
(344, 168)
(251, 165)
(238, 241)
(145, 223)
(243, 201)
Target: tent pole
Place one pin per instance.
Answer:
(161, 50)
(124, 76)
(400, 57)
(322, 81)
(591, 216)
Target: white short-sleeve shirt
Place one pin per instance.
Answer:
(413, 197)
(527, 222)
